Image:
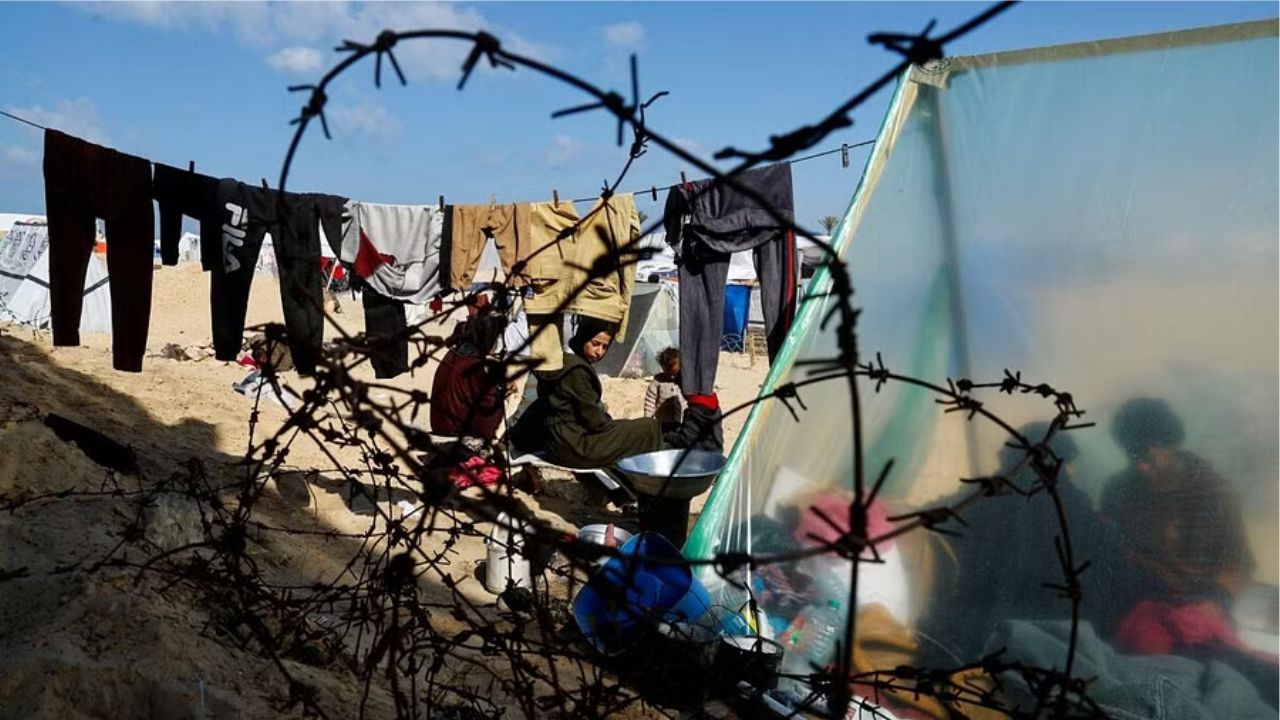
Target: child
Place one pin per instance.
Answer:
(663, 399)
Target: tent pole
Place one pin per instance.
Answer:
(951, 253)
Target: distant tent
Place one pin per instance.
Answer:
(24, 298)
(267, 258)
(653, 325)
(189, 248)
(21, 246)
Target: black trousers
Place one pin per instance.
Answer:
(84, 181)
(386, 328)
(703, 274)
(181, 192)
(293, 221)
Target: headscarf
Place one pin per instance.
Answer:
(589, 327)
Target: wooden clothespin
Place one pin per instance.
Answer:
(555, 197)
(654, 189)
(844, 154)
(441, 203)
(191, 166)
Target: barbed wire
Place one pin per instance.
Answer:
(436, 655)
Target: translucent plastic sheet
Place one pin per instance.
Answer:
(1099, 217)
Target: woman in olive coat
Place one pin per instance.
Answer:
(569, 421)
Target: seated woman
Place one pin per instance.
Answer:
(469, 388)
(569, 421)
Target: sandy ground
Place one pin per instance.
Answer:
(94, 646)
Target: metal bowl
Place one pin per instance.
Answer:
(672, 474)
(595, 534)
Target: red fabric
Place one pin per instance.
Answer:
(1155, 628)
(475, 471)
(836, 507)
(478, 305)
(368, 259)
(466, 399)
(339, 272)
(437, 305)
(710, 402)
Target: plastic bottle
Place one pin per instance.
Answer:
(810, 640)
(824, 629)
(831, 579)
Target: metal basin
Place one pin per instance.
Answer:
(672, 474)
(595, 534)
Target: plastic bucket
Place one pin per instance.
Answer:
(629, 591)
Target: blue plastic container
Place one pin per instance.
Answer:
(629, 591)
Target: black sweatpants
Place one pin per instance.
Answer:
(703, 273)
(83, 182)
(707, 221)
(293, 221)
(182, 192)
(385, 327)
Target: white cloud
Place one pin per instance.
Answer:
(20, 156)
(249, 20)
(688, 145)
(297, 59)
(77, 117)
(563, 149)
(624, 35)
(280, 26)
(369, 119)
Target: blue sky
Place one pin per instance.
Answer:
(207, 82)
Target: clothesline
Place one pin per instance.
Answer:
(653, 189)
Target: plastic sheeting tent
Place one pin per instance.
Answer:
(1100, 217)
(653, 324)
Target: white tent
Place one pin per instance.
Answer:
(8, 220)
(24, 297)
(21, 246)
(189, 248)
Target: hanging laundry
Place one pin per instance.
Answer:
(332, 211)
(591, 272)
(294, 223)
(395, 253)
(183, 192)
(706, 229)
(386, 328)
(82, 182)
(602, 273)
(395, 249)
(522, 233)
(706, 222)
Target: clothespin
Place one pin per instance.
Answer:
(844, 154)
(555, 197)
(654, 189)
(191, 166)
(493, 199)
(441, 203)
(683, 180)
(265, 186)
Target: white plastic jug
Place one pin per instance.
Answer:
(505, 562)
